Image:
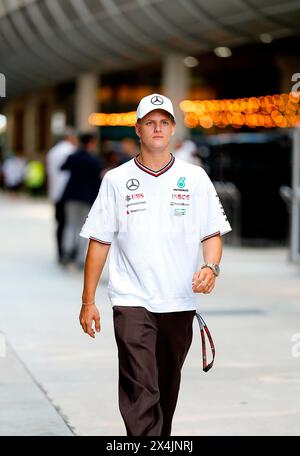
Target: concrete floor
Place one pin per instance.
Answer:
(56, 380)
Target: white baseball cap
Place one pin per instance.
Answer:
(154, 101)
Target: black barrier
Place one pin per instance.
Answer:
(257, 165)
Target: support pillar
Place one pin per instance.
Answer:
(30, 127)
(86, 101)
(295, 212)
(175, 87)
(8, 112)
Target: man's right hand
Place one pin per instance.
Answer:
(88, 314)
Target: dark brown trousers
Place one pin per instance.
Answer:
(152, 348)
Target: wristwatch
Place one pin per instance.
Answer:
(213, 266)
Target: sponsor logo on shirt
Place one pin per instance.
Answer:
(180, 196)
(137, 210)
(134, 196)
(181, 182)
(132, 184)
(137, 202)
(179, 204)
(179, 211)
(181, 185)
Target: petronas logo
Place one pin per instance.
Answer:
(181, 182)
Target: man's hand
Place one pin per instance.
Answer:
(203, 281)
(89, 313)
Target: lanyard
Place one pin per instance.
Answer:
(203, 327)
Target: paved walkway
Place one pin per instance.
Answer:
(55, 380)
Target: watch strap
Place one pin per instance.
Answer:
(210, 266)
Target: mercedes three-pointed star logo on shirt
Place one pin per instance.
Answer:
(156, 100)
(132, 184)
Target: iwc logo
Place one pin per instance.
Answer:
(156, 100)
(132, 184)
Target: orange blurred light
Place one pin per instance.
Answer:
(97, 119)
(278, 119)
(261, 120)
(190, 120)
(265, 111)
(237, 120)
(294, 97)
(186, 106)
(206, 121)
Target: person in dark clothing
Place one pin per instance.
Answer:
(57, 181)
(79, 195)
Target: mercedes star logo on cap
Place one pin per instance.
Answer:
(156, 100)
(132, 184)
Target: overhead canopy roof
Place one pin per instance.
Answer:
(43, 42)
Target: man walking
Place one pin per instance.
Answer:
(79, 195)
(57, 181)
(152, 213)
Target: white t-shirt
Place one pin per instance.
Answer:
(155, 222)
(14, 171)
(57, 178)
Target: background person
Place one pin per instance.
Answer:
(14, 172)
(35, 175)
(79, 195)
(186, 150)
(57, 180)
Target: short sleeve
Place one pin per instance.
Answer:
(66, 164)
(101, 222)
(214, 219)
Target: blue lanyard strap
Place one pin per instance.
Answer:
(203, 327)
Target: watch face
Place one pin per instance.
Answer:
(217, 268)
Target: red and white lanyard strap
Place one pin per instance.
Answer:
(203, 327)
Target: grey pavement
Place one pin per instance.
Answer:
(56, 380)
(25, 408)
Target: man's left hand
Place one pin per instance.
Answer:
(203, 281)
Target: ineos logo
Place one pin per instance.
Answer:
(132, 184)
(156, 100)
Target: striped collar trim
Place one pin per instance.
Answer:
(151, 171)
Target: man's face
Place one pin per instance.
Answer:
(91, 146)
(73, 140)
(155, 129)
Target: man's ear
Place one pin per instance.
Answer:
(137, 130)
